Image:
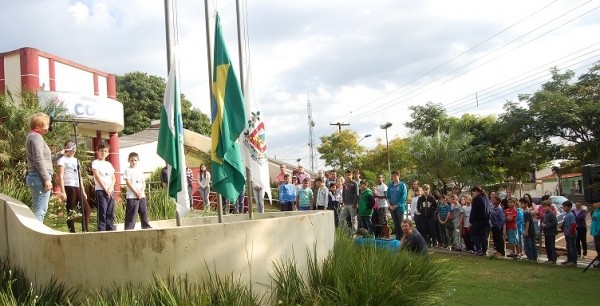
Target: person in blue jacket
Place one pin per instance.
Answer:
(396, 196)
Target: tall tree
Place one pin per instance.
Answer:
(445, 157)
(428, 119)
(142, 97)
(570, 111)
(341, 149)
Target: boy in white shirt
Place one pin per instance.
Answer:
(136, 197)
(322, 197)
(104, 178)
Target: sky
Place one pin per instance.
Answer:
(357, 62)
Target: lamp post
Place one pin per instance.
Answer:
(387, 144)
(366, 136)
(339, 125)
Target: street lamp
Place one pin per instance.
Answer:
(387, 144)
(366, 136)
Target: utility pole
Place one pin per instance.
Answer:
(339, 124)
(311, 140)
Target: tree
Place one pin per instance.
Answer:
(341, 149)
(14, 126)
(444, 157)
(569, 111)
(428, 119)
(142, 97)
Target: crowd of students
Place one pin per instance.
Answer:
(456, 221)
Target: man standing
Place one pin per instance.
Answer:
(302, 175)
(396, 196)
(380, 192)
(281, 176)
(350, 201)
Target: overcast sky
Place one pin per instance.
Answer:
(361, 62)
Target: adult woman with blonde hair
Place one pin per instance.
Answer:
(39, 164)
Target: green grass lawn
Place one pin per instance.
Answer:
(485, 281)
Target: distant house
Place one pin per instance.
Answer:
(569, 184)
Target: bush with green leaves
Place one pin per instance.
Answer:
(355, 275)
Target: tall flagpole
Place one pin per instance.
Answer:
(210, 97)
(249, 189)
(168, 22)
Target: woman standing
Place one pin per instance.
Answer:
(204, 182)
(480, 221)
(580, 240)
(39, 164)
(68, 178)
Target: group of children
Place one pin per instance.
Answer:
(104, 183)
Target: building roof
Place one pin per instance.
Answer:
(139, 138)
(564, 176)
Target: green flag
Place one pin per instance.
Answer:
(228, 122)
(170, 142)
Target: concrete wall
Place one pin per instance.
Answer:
(88, 261)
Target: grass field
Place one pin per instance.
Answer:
(485, 281)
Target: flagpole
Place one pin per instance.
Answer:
(249, 190)
(210, 82)
(168, 21)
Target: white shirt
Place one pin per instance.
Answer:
(136, 178)
(70, 176)
(413, 206)
(322, 196)
(381, 190)
(105, 171)
(467, 210)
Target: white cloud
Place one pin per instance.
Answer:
(361, 62)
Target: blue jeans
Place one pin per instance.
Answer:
(365, 222)
(40, 198)
(530, 249)
(204, 192)
(571, 249)
(397, 216)
(260, 201)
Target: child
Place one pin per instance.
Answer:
(333, 202)
(498, 221)
(71, 193)
(445, 221)
(287, 194)
(511, 227)
(458, 217)
(595, 229)
(136, 197)
(569, 228)
(528, 231)
(366, 201)
(322, 192)
(104, 178)
(550, 228)
(466, 235)
(305, 195)
(519, 229)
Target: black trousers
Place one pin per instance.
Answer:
(479, 236)
(498, 239)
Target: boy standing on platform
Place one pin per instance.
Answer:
(104, 178)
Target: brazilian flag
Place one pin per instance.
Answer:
(228, 122)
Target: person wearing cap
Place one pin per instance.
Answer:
(70, 190)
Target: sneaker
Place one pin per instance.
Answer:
(478, 253)
(512, 255)
(570, 264)
(550, 262)
(470, 252)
